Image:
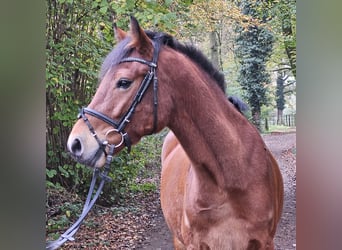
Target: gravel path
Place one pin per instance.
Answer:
(283, 147)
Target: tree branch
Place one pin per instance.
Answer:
(288, 91)
(280, 69)
(290, 83)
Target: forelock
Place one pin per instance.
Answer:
(119, 52)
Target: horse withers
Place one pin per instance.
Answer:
(221, 188)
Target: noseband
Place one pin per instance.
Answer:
(119, 126)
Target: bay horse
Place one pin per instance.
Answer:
(221, 188)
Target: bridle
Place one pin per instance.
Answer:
(119, 126)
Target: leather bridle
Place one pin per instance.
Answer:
(119, 126)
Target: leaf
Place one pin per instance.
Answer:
(104, 9)
(68, 213)
(51, 172)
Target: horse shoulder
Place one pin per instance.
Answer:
(278, 190)
(175, 167)
(170, 143)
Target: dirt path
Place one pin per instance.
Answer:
(159, 238)
(283, 147)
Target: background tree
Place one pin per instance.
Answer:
(285, 86)
(281, 17)
(253, 48)
(285, 11)
(280, 99)
(281, 20)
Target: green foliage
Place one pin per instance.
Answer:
(279, 128)
(124, 170)
(281, 17)
(144, 187)
(159, 15)
(128, 168)
(76, 44)
(253, 48)
(68, 213)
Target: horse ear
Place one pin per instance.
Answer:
(119, 33)
(140, 40)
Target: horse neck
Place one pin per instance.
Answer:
(208, 127)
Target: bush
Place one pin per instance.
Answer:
(76, 45)
(79, 36)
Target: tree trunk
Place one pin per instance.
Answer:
(266, 124)
(214, 49)
(256, 119)
(280, 99)
(280, 120)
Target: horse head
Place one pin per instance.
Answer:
(124, 107)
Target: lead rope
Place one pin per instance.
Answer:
(89, 203)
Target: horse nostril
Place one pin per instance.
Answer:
(76, 147)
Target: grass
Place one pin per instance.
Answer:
(144, 187)
(280, 129)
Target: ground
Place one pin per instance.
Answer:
(139, 223)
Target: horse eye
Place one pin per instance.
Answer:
(124, 83)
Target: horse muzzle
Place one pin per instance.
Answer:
(85, 151)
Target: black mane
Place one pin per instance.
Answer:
(238, 104)
(200, 59)
(192, 52)
(119, 52)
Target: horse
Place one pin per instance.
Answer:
(221, 188)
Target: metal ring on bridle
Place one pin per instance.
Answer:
(119, 127)
(122, 136)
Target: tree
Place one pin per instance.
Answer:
(253, 48)
(281, 17)
(215, 54)
(211, 20)
(76, 44)
(289, 35)
(283, 88)
(280, 99)
(285, 10)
